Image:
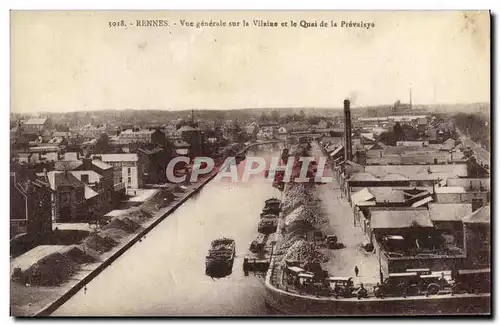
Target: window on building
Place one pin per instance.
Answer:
(129, 180)
(129, 171)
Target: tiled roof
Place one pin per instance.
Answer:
(394, 219)
(449, 212)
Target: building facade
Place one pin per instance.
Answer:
(30, 207)
(127, 168)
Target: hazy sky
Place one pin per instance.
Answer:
(68, 61)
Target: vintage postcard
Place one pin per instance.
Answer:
(250, 163)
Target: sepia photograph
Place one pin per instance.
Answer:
(227, 163)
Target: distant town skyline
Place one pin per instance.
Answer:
(73, 61)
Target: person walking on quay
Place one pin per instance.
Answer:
(356, 270)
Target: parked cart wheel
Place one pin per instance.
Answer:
(433, 289)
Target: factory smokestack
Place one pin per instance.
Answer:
(347, 131)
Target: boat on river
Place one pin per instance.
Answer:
(221, 254)
(268, 224)
(272, 206)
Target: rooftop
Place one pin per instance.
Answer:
(387, 194)
(404, 218)
(449, 190)
(470, 184)
(419, 172)
(364, 176)
(101, 165)
(36, 121)
(61, 179)
(128, 157)
(144, 195)
(336, 151)
(186, 128)
(481, 216)
(361, 196)
(61, 134)
(449, 212)
(94, 177)
(150, 151)
(89, 193)
(67, 165)
(71, 156)
(422, 121)
(142, 131)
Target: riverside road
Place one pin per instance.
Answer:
(164, 274)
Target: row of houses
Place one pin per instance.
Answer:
(420, 206)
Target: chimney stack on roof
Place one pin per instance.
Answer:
(348, 131)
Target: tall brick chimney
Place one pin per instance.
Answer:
(347, 131)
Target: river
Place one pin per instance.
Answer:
(164, 274)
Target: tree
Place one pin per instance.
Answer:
(314, 120)
(275, 115)
(264, 117)
(102, 144)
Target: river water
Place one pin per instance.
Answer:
(164, 274)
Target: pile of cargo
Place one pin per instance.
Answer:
(99, 243)
(160, 200)
(80, 254)
(302, 213)
(297, 194)
(313, 214)
(304, 251)
(50, 270)
(302, 205)
(288, 241)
